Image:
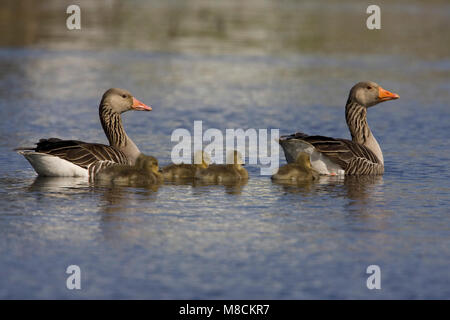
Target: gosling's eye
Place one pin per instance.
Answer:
(369, 88)
(124, 96)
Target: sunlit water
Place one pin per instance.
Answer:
(259, 240)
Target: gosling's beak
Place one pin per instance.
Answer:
(139, 106)
(385, 95)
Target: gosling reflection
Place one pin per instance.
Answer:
(205, 187)
(123, 211)
(231, 187)
(123, 199)
(289, 186)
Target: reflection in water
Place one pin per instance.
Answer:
(119, 198)
(59, 186)
(113, 198)
(290, 186)
(230, 187)
(120, 209)
(121, 184)
(362, 187)
(360, 191)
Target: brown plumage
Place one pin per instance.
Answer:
(300, 170)
(81, 153)
(144, 172)
(224, 172)
(362, 154)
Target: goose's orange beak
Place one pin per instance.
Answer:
(139, 106)
(385, 95)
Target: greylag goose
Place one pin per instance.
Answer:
(218, 173)
(330, 156)
(70, 158)
(184, 170)
(145, 171)
(300, 170)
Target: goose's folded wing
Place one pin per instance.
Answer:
(80, 153)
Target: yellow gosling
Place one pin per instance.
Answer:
(300, 170)
(144, 172)
(224, 172)
(186, 171)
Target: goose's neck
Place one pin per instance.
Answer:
(356, 116)
(117, 137)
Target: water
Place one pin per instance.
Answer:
(256, 65)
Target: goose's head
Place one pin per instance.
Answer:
(368, 94)
(121, 100)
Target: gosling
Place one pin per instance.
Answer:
(144, 172)
(186, 171)
(218, 173)
(300, 170)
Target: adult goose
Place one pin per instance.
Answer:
(359, 156)
(71, 158)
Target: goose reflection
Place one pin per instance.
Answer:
(360, 191)
(59, 186)
(362, 187)
(113, 197)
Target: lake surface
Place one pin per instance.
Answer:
(284, 65)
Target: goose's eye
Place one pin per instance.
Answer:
(124, 96)
(369, 88)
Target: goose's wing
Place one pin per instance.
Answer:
(352, 157)
(80, 153)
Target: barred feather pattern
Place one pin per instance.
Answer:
(356, 117)
(80, 153)
(98, 166)
(112, 125)
(363, 166)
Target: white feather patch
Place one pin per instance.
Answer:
(50, 166)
